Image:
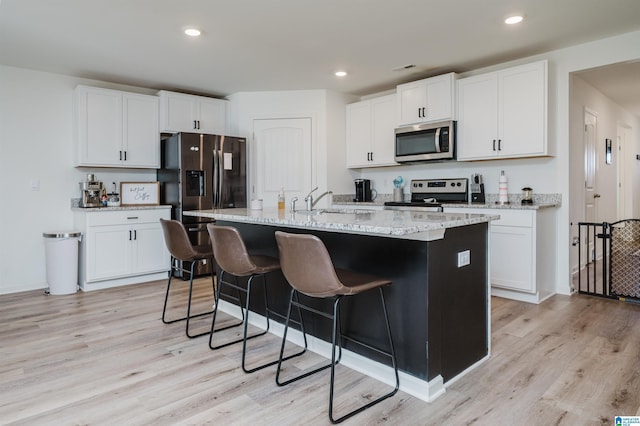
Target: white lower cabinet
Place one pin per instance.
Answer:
(512, 257)
(522, 252)
(121, 247)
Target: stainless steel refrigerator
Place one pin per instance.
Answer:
(202, 172)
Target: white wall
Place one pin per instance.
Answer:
(609, 115)
(339, 178)
(36, 143)
(326, 110)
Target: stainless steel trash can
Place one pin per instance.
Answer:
(61, 253)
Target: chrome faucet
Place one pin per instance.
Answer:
(293, 204)
(309, 198)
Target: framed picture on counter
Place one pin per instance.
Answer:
(139, 193)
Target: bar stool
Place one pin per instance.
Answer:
(307, 266)
(180, 248)
(233, 258)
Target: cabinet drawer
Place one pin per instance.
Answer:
(523, 218)
(514, 218)
(126, 217)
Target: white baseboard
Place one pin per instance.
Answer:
(536, 298)
(421, 389)
(137, 279)
(19, 289)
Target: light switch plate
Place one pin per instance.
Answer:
(464, 258)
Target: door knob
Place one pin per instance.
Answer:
(596, 195)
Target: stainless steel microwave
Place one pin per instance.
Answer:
(426, 142)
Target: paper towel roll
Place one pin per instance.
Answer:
(503, 189)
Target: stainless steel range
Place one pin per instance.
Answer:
(430, 194)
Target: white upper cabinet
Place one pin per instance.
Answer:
(370, 132)
(503, 114)
(140, 131)
(188, 113)
(428, 100)
(116, 129)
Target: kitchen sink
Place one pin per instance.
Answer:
(330, 211)
(309, 212)
(347, 211)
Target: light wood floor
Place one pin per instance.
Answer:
(105, 357)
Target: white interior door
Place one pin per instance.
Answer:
(624, 187)
(590, 167)
(282, 160)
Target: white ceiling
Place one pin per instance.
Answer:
(255, 45)
(620, 82)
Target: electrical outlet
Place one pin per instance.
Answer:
(464, 258)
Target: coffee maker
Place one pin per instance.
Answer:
(363, 191)
(477, 188)
(91, 192)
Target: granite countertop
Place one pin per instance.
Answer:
(413, 225)
(514, 206)
(540, 201)
(119, 208)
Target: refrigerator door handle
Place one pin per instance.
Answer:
(215, 184)
(220, 170)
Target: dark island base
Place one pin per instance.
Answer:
(438, 312)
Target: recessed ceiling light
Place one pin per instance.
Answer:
(515, 19)
(341, 73)
(193, 32)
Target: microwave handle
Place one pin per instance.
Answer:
(437, 141)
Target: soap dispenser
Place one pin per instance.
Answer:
(281, 200)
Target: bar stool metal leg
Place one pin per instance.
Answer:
(294, 294)
(244, 343)
(336, 343)
(337, 337)
(188, 316)
(245, 316)
(215, 313)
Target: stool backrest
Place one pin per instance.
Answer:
(306, 264)
(177, 240)
(229, 250)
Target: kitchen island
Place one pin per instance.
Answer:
(438, 301)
